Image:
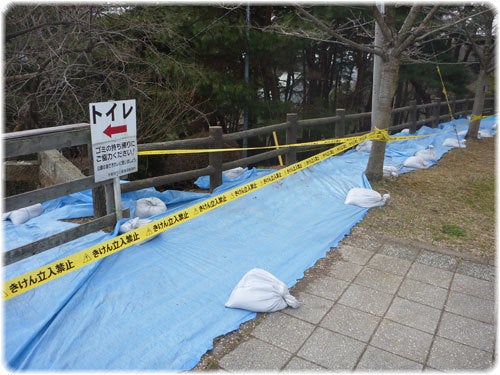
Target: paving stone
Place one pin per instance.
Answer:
(380, 280)
(380, 360)
(480, 271)
(471, 307)
(400, 251)
(342, 270)
(474, 286)
(355, 254)
(430, 275)
(389, 264)
(255, 355)
(299, 364)
(449, 355)
(443, 261)
(423, 293)
(350, 322)
(332, 350)
(401, 340)
(467, 331)
(361, 242)
(283, 331)
(366, 299)
(312, 308)
(326, 287)
(413, 314)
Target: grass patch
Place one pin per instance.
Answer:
(453, 230)
(459, 189)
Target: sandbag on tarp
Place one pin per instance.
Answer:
(365, 146)
(366, 198)
(44, 225)
(260, 291)
(484, 134)
(147, 207)
(132, 224)
(390, 171)
(453, 142)
(233, 177)
(22, 215)
(79, 205)
(415, 162)
(428, 154)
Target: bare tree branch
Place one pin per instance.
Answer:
(417, 31)
(333, 33)
(379, 18)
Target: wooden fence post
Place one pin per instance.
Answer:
(413, 116)
(103, 199)
(436, 111)
(291, 138)
(215, 158)
(340, 125)
(98, 193)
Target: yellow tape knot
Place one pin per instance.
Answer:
(475, 118)
(381, 134)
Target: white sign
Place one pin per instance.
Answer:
(114, 138)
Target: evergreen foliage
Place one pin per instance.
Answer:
(185, 65)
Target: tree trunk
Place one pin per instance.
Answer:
(388, 82)
(477, 107)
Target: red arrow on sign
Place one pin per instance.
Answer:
(110, 130)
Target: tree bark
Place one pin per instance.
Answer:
(388, 82)
(477, 108)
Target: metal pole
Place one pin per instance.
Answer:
(118, 198)
(247, 78)
(377, 62)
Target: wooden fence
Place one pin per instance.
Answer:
(34, 141)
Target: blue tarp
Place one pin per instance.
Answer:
(159, 305)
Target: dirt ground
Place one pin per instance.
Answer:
(450, 205)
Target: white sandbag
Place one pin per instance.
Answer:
(134, 224)
(365, 146)
(484, 133)
(453, 142)
(234, 173)
(24, 214)
(390, 171)
(366, 198)
(415, 162)
(427, 154)
(146, 207)
(260, 291)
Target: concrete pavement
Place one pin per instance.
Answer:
(375, 303)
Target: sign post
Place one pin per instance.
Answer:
(114, 143)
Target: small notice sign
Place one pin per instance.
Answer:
(114, 138)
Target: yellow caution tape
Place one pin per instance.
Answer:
(444, 91)
(474, 118)
(377, 134)
(406, 137)
(280, 159)
(63, 266)
(49, 272)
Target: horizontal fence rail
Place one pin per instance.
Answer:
(28, 142)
